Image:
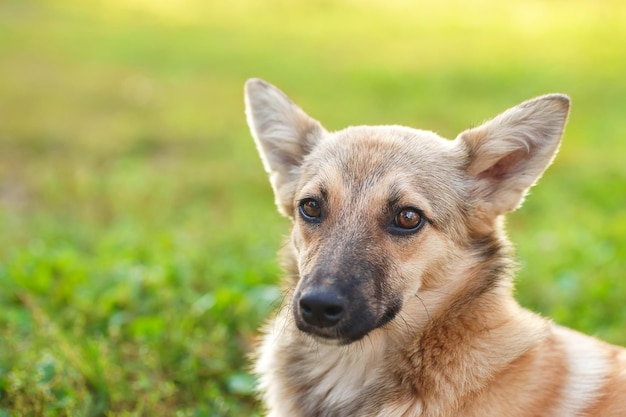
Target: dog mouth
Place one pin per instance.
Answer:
(350, 328)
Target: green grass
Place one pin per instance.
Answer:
(137, 226)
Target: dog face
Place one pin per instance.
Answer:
(366, 224)
(381, 213)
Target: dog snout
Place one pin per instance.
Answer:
(322, 307)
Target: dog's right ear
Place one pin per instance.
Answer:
(284, 134)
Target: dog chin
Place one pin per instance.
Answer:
(327, 341)
(336, 341)
(346, 339)
(333, 337)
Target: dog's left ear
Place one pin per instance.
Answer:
(508, 154)
(284, 135)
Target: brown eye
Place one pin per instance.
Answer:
(310, 209)
(408, 219)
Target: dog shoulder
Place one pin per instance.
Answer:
(595, 375)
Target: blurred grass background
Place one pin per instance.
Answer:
(138, 230)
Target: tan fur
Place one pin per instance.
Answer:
(383, 320)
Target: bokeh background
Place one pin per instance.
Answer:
(137, 227)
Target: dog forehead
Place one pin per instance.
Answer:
(369, 153)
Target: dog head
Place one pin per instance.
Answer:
(382, 213)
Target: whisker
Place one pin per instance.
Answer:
(424, 305)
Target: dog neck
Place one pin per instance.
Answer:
(474, 345)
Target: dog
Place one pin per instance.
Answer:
(398, 288)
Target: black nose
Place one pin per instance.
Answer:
(321, 308)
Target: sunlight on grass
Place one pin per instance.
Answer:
(164, 8)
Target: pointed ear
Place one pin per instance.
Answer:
(508, 154)
(284, 134)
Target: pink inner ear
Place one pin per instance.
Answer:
(505, 166)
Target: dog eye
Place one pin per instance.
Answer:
(310, 209)
(408, 219)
